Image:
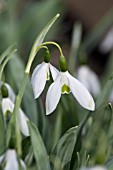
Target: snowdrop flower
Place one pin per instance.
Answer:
(40, 74)
(95, 168)
(111, 97)
(65, 83)
(107, 43)
(8, 105)
(11, 161)
(89, 80)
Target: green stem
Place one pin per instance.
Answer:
(54, 43)
(16, 108)
(34, 51)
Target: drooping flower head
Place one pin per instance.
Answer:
(41, 74)
(65, 83)
(8, 105)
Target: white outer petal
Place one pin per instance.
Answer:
(81, 93)
(11, 160)
(89, 80)
(10, 92)
(23, 123)
(54, 71)
(7, 104)
(38, 79)
(53, 96)
(95, 168)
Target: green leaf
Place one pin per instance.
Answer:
(6, 61)
(103, 97)
(2, 134)
(96, 141)
(76, 39)
(43, 33)
(6, 52)
(39, 150)
(62, 153)
(38, 41)
(109, 164)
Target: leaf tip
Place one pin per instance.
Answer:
(57, 15)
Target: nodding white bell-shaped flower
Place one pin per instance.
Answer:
(111, 97)
(11, 161)
(94, 168)
(8, 105)
(89, 80)
(40, 75)
(65, 83)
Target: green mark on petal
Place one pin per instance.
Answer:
(65, 89)
(47, 76)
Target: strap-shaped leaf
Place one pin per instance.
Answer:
(43, 33)
(7, 52)
(105, 93)
(62, 153)
(96, 142)
(39, 150)
(39, 41)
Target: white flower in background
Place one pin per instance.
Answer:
(40, 74)
(11, 161)
(107, 43)
(111, 97)
(65, 83)
(8, 105)
(89, 80)
(94, 168)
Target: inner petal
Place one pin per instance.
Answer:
(47, 75)
(65, 89)
(65, 84)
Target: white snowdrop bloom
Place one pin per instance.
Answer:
(65, 83)
(107, 43)
(7, 104)
(40, 74)
(89, 80)
(94, 168)
(11, 161)
(111, 97)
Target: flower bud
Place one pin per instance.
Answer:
(4, 91)
(63, 64)
(47, 56)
